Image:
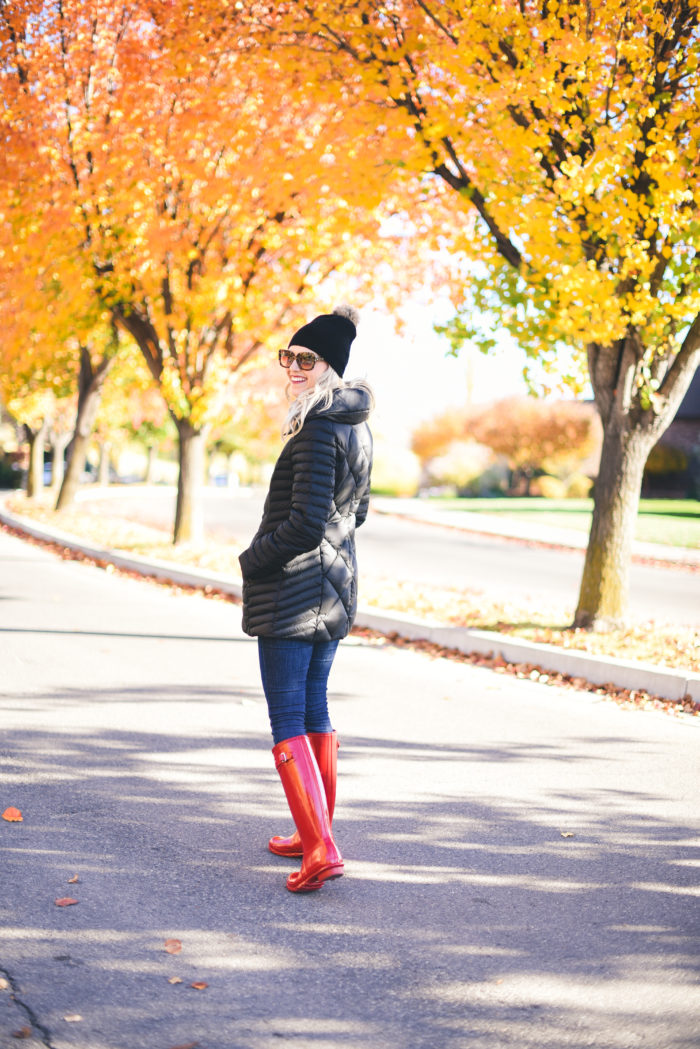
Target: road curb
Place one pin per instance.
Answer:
(623, 674)
(165, 571)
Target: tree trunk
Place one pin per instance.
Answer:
(103, 470)
(189, 517)
(76, 464)
(90, 386)
(59, 443)
(633, 419)
(232, 480)
(602, 602)
(35, 473)
(150, 464)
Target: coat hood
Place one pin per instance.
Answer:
(351, 404)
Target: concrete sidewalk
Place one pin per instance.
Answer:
(525, 531)
(521, 860)
(667, 683)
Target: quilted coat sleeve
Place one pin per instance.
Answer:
(313, 483)
(362, 509)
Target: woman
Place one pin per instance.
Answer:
(300, 578)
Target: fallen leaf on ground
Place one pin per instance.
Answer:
(73, 880)
(73, 1018)
(173, 946)
(174, 979)
(190, 1045)
(65, 901)
(567, 833)
(4, 984)
(24, 1032)
(199, 985)
(12, 815)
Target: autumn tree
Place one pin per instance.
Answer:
(129, 398)
(37, 373)
(61, 432)
(147, 422)
(249, 423)
(51, 356)
(535, 435)
(566, 134)
(34, 413)
(97, 353)
(53, 349)
(532, 435)
(166, 167)
(434, 436)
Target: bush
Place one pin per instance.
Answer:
(395, 471)
(491, 482)
(578, 486)
(548, 487)
(461, 466)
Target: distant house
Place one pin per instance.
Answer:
(690, 405)
(673, 467)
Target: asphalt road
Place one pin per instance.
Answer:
(522, 861)
(401, 549)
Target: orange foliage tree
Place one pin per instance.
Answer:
(566, 134)
(534, 435)
(530, 434)
(434, 436)
(158, 166)
(55, 341)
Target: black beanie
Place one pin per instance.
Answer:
(330, 336)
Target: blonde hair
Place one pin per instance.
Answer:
(320, 396)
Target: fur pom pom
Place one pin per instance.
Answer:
(350, 312)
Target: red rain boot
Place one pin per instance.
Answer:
(325, 747)
(296, 764)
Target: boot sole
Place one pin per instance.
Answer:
(317, 880)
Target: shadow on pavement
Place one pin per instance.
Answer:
(139, 635)
(462, 921)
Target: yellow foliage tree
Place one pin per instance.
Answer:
(566, 135)
(37, 374)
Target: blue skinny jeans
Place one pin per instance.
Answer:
(294, 679)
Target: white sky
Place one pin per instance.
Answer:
(414, 378)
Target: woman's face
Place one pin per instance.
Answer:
(301, 380)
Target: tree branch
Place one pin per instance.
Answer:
(687, 360)
(434, 18)
(145, 335)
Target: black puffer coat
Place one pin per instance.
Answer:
(300, 570)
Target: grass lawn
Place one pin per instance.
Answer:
(673, 522)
